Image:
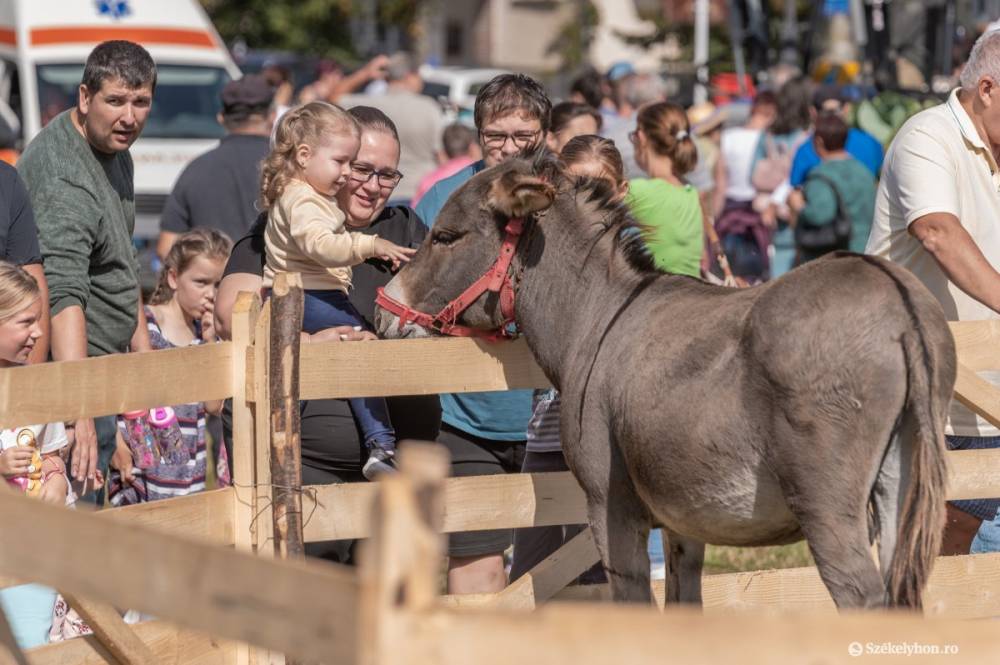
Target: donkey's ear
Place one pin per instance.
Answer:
(518, 194)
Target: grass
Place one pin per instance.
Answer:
(739, 559)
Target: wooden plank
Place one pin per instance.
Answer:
(470, 503)
(246, 310)
(415, 367)
(305, 609)
(205, 516)
(960, 587)
(545, 499)
(973, 474)
(114, 384)
(550, 575)
(584, 634)
(168, 643)
(111, 631)
(977, 344)
(977, 395)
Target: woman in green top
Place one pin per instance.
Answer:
(665, 203)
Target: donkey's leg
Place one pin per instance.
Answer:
(684, 561)
(829, 497)
(620, 524)
(618, 519)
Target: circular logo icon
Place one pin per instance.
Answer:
(854, 648)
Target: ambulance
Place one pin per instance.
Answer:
(44, 45)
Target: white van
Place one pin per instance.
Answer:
(43, 47)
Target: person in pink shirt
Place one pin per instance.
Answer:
(460, 150)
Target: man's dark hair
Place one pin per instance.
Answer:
(510, 93)
(832, 131)
(564, 112)
(456, 139)
(589, 86)
(119, 59)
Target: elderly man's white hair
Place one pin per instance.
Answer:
(983, 61)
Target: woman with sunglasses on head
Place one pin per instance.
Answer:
(332, 451)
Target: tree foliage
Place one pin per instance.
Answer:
(316, 27)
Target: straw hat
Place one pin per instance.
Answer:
(705, 117)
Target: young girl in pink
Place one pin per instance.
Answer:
(311, 160)
(179, 314)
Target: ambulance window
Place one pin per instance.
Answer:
(10, 105)
(185, 103)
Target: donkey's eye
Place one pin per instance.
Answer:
(444, 237)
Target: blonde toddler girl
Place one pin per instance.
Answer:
(309, 163)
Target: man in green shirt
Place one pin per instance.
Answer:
(78, 171)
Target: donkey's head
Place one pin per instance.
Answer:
(465, 244)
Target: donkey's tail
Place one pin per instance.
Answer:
(921, 520)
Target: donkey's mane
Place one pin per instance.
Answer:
(615, 218)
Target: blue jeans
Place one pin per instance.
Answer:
(327, 309)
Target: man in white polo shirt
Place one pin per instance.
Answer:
(937, 213)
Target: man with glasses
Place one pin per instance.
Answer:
(485, 432)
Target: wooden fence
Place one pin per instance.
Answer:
(175, 559)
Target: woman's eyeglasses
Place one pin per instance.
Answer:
(364, 172)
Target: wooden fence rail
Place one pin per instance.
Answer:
(961, 587)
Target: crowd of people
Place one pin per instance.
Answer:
(345, 194)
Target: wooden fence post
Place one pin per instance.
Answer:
(283, 386)
(400, 563)
(244, 322)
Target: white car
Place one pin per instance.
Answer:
(455, 88)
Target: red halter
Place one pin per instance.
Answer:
(495, 280)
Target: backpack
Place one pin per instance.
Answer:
(774, 168)
(825, 237)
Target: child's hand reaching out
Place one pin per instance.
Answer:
(390, 251)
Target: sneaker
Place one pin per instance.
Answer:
(379, 461)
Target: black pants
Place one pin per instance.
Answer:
(337, 551)
(533, 544)
(474, 456)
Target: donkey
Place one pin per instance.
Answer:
(811, 407)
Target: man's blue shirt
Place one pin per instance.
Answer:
(500, 416)
(861, 145)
